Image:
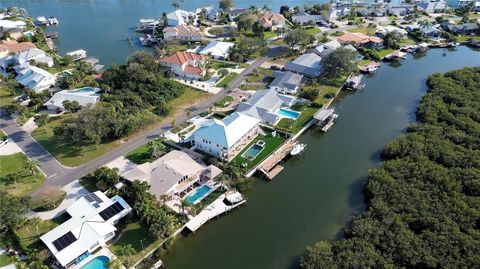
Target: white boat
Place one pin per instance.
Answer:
(297, 149)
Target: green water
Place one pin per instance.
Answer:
(316, 194)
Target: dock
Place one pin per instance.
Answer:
(226, 202)
(50, 44)
(270, 167)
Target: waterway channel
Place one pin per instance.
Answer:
(317, 193)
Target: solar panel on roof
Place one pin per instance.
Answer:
(111, 211)
(64, 241)
(96, 198)
(89, 198)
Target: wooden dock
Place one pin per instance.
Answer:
(269, 166)
(50, 44)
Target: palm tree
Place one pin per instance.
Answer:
(115, 264)
(31, 165)
(127, 251)
(173, 122)
(425, 24)
(164, 198)
(184, 204)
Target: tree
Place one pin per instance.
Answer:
(41, 120)
(12, 178)
(31, 165)
(67, 60)
(156, 148)
(298, 37)
(12, 211)
(425, 24)
(319, 255)
(127, 251)
(226, 4)
(339, 62)
(244, 22)
(184, 204)
(72, 106)
(392, 39)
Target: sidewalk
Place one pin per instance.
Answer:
(74, 191)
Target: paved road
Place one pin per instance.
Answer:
(59, 175)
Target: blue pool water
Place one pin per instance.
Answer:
(85, 89)
(100, 262)
(288, 113)
(252, 152)
(199, 193)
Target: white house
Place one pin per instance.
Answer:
(34, 54)
(90, 226)
(34, 78)
(226, 138)
(382, 31)
(286, 82)
(303, 18)
(8, 25)
(83, 96)
(433, 6)
(235, 12)
(264, 105)
(77, 54)
(186, 64)
(185, 33)
(174, 174)
(180, 17)
(217, 49)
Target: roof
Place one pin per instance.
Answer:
(181, 57)
(83, 96)
(88, 224)
(12, 46)
(462, 27)
(184, 30)
(359, 38)
(288, 80)
(181, 16)
(31, 76)
(26, 55)
(168, 170)
(262, 105)
(308, 64)
(327, 47)
(8, 24)
(228, 131)
(217, 48)
(268, 19)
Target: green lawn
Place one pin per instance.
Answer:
(407, 41)
(271, 144)
(384, 52)
(268, 35)
(278, 42)
(224, 101)
(139, 155)
(70, 154)
(136, 234)
(465, 38)
(26, 183)
(323, 91)
(4, 260)
(6, 97)
(363, 29)
(259, 74)
(363, 62)
(293, 127)
(227, 79)
(219, 65)
(3, 136)
(313, 30)
(29, 235)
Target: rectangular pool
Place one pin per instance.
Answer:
(197, 195)
(287, 113)
(252, 152)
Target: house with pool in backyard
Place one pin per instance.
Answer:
(177, 175)
(91, 223)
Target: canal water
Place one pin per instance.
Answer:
(317, 193)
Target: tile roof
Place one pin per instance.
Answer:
(13, 46)
(184, 30)
(181, 57)
(359, 38)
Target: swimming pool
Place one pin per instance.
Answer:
(287, 113)
(85, 89)
(100, 262)
(198, 194)
(252, 152)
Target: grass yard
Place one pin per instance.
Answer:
(313, 30)
(226, 100)
(258, 75)
(363, 62)
(174, 47)
(139, 155)
(6, 97)
(326, 91)
(29, 235)
(278, 42)
(363, 29)
(465, 38)
(136, 234)
(227, 79)
(70, 154)
(4, 260)
(26, 182)
(407, 41)
(271, 144)
(293, 127)
(268, 35)
(3, 136)
(384, 52)
(219, 65)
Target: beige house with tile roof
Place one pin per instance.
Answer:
(186, 33)
(186, 64)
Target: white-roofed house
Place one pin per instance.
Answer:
(174, 174)
(34, 78)
(180, 17)
(286, 82)
(382, 31)
(264, 105)
(90, 226)
(34, 54)
(183, 33)
(84, 96)
(226, 138)
(9, 25)
(308, 64)
(303, 18)
(217, 49)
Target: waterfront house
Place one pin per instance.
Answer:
(265, 104)
(286, 82)
(185, 33)
(382, 31)
(271, 20)
(34, 78)
(181, 17)
(433, 6)
(90, 225)
(303, 18)
(308, 64)
(174, 174)
(10, 25)
(77, 54)
(84, 97)
(327, 48)
(235, 12)
(400, 9)
(217, 49)
(185, 64)
(8, 47)
(225, 138)
(431, 32)
(361, 39)
(463, 28)
(37, 55)
(214, 14)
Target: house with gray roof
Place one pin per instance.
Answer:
(463, 28)
(308, 64)
(286, 82)
(303, 18)
(433, 6)
(34, 54)
(264, 105)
